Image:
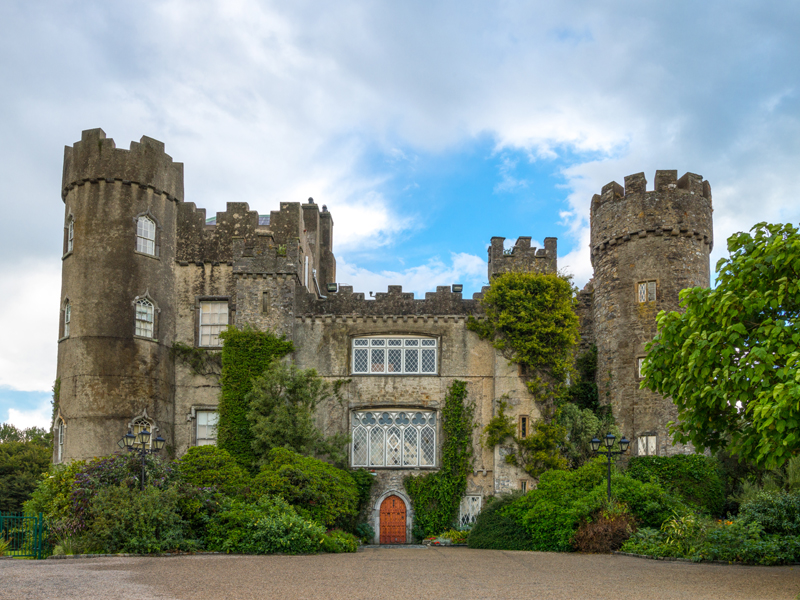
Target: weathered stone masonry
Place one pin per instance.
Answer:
(273, 273)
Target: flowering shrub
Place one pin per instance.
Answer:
(455, 536)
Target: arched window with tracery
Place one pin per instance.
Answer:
(146, 235)
(140, 424)
(393, 438)
(145, 318)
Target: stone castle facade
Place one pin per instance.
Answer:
(143, 270)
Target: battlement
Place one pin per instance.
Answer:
(674, 208)
(392, 303)
(522, 258)
(97, 158)
(665, 181)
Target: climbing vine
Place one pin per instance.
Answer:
(201, 360)
(531, 317)
(246, 354)
(436, 496)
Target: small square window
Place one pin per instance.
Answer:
(647, 291)
(646, 445)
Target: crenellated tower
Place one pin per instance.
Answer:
(117, 302)
(646, 246)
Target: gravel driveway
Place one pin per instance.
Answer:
(405, 574)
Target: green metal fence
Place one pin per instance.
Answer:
(25, 534)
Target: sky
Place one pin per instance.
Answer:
(426, 127)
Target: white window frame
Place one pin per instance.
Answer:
(61, 435)
(145, 244)
(145, 318)
(647, 445)
(70, 234)
(371, 427)
(394, 355)
(67, 318)
(140, 423)
(211, 323)
(646, 291)
(206, 422)
(639, 365)
(469, 509)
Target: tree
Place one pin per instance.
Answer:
(24, 457)
(281, 413)
(730, 360)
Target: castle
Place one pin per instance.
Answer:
(143, 270)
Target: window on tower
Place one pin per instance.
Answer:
(145, 318)
(146, 235)
(647, 291)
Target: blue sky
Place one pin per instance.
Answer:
(425, 127)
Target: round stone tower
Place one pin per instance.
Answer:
(646, 247)
(117, 311)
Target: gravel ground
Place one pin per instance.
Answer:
(440, 573)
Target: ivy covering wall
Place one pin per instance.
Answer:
(436, 496)
(246, 353)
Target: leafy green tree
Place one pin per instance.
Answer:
(24, 458)
(581, 425)
(282, 404)
(730, 360)
(531, 316)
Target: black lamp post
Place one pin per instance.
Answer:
(139, 443)
(609, 442)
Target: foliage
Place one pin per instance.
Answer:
(246, 353)
(499, 428)
(532, 316)
(436, 496)
(4, 545)
(730, 541)
(540, 450)
(54, 402)
(201, 360)
(125, 519)
(495, 529)
(318, 491)
(456, 536)
(364, 481)
(730, 360)
(22, 465)
(364, 532)
(776, 512)
(210, 466)
(282, 403)
(32, 435)
(583, 391)
(605, 531)
(268, 526)
(581, 425)
(692, 477)
(337, 541)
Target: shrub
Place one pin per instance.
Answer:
(21, 467)
(268, 526)
(209, 466)
(318, 491)
(123, 519)
(364, 532)
(605, 532)
(336, 541)
(692, 477)
(494, 529)
(776, 512)
(455, 536)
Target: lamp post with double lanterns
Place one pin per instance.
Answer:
(139, 442)
(609, 442)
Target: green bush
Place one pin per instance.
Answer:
(268, 526)
(693, 477)
(776, 512)
(336, 541)
(494, 529)
(21, 467)
(123, 519)
(318, 491)
(364, 532)
(211, 467)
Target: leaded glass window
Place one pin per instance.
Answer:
(393, 438)
(647, 445)
(144, 318)
(468, 510)
(647, 291)
(395, 356)
(146, 236)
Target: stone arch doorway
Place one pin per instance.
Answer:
(393, 521)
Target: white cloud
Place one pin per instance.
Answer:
(35, 417)
(29, 310)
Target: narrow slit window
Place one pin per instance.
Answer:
(523, 427)
(67, 318)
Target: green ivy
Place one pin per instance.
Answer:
(436, 496)
(246, 353)
(56, 397)
(531, 316)
(202, 361)
(500, 427)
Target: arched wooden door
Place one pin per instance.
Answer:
(393, 521)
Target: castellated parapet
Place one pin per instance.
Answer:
(522, 258)
(646, 247)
